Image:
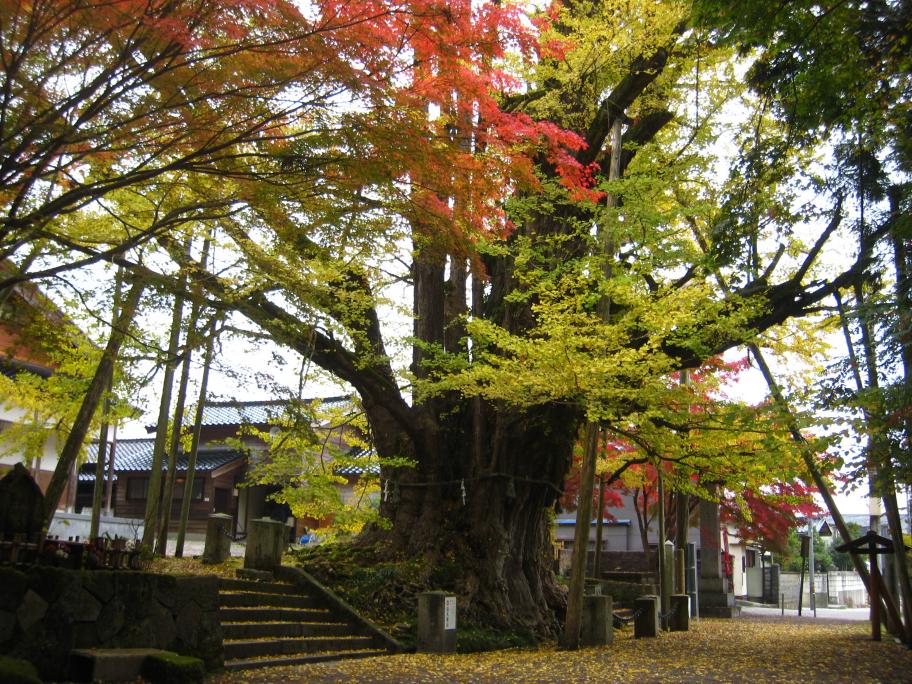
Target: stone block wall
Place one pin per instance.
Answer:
(46, 612)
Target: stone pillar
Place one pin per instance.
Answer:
(775, 570)
(679, 620)
(710, 546)
(598, 622)
(218, 538)
(436, 622)
(715, 595)
(646, 617)
(265, 544)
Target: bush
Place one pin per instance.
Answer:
(17, 671)
(170, 668)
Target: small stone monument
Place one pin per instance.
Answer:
(21, 506)
(646, 617)
(598, 622)
(218, 538)
(436, 622)
(265, 544)
(679, 619)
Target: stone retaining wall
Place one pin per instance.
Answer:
(46, 612)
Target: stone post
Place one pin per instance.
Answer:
(218, 538)
(679, 620)
(598, 622)
(646, 617)
(265, 544)
(436, 622)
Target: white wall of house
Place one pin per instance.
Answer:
(9, 456)
(617, 535)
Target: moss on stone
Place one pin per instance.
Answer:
(170, 668)
(17, 671)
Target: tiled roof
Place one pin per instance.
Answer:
(370, 467)
(217, 413)
(135, 455)
(13, 367)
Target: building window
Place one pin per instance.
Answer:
(137, 488)
(198, 483)
(751, 558)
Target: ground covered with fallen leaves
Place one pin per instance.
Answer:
(748, 649)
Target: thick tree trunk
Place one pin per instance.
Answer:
(484, 516)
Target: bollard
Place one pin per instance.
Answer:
(436, 622)
(218, 538)
(646, 617)
(598, 622)
(679, 620)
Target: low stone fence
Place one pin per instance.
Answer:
(836, 588)
(46, 612)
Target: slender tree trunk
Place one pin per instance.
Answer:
(885, 480)
(570, 638)
(194, 446)
(642, 518)
(664, 570)
(161, 545)
(571, 634)
(90, 402)
(599, 527)
(682, 524)
(109, 484)
(176, 427)
(822, 487)
(100, 463)
(153, 500)
(98, 489)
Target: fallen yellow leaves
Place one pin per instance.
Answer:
(750, 649)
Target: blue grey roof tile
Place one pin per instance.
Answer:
(135, 455)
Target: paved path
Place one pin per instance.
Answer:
(847, 614)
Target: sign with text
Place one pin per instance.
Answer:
(449, 613)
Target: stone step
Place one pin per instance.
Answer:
(227, 584)
(267, 614)
(109, 664)
(250, 599)
(235, 650)
(256, 663)
(262, 630)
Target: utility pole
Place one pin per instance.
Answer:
(811, 563)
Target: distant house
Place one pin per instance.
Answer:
(742, 560)
(24, 351)
(221, 469)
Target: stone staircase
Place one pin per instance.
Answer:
(268, 623)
